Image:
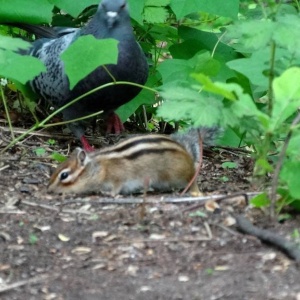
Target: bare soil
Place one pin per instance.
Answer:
(94, 247)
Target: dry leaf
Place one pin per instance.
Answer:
(183, 278)
(155, 236)
(229, 221)
(221, 268)
(42, 228)
(211, 205)
(99, 235)
(63, 238)
(132, 270)
(81, 250)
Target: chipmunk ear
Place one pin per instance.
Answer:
(82, 156)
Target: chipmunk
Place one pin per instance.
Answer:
(158, 161)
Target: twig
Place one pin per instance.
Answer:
(145, 117)
(4, 167)
(156, 200)
(33, 280)
(226, 229)
(167, 240)
(279, 165)
(6, 112)
(44, 206)
(207, 227)
(142, 212)
(291, 249)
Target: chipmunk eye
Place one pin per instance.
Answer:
(64, 175)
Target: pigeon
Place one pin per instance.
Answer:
(111, 20)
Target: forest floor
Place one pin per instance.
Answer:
(94, 247)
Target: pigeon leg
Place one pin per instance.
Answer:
(114, 124)
(86, 145)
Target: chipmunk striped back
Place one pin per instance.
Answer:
(135, 147)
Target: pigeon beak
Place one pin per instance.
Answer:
(111, 18)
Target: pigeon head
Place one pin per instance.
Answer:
(113, 11)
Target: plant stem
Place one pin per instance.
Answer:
(279, 165)
(271, 78)
(7, 112)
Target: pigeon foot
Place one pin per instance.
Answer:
(114, 124)
(86, 145)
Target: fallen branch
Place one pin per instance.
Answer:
(36, 279)
(291, 249)
(155, 200)
(49, 207)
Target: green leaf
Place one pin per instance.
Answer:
(74, 10)
(198, 213)
(260, 200)
(175, 69)
(204, 63)
(157, 2)
(9, 43)
(290, 173)
(287, 96)
(215, 88)
(19, 67)
(143, 98)
(196, 40)
(31, 12)
(229, 8)
(136, 9)
(155, 14)
(286, 34)
(183, 102)
(40, 151)
(229, 165)
(252, 34)
(32, 239)
(253, 67)
(58, 157)
(87, 49)
(286, 87)
(293, 147)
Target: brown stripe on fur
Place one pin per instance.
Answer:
(132, 142)
(139, 153)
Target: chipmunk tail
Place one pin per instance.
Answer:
(190, 139)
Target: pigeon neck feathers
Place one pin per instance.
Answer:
(111, 20)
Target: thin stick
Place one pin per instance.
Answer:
(145, 117)
(168, 240)
(4, 167)
(143, 205)
(279, 165)
(7, 112)
(33, 280)
(48, 207)
(157, 200)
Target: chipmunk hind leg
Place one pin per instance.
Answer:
(194, 190)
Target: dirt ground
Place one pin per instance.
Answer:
(100, 248)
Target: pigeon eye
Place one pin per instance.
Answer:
(123, 6)
(64, 175)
